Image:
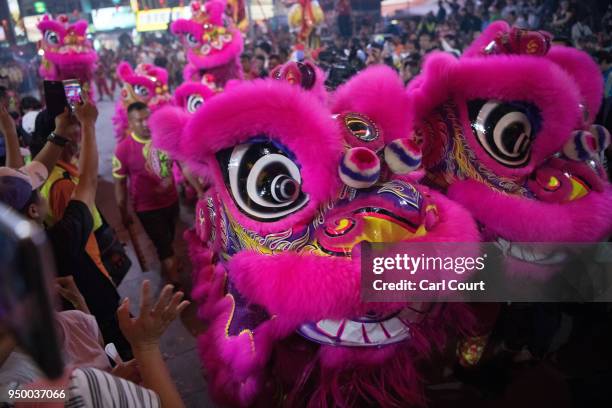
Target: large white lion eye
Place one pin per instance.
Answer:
(191, 40)
(505, 130)
(51, 37)
(141, 91)
(194, 102)
(263, 180)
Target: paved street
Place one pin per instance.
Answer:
(179, 343)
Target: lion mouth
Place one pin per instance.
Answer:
(363, 331)
(73, 49)
(527, 253)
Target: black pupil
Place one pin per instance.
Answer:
(284, 187)
(511, 136)
(289, 189)
(196, 102)
(267, 176)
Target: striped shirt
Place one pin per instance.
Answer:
(90, 387)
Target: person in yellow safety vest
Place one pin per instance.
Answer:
(60, 185)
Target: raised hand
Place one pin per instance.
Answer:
(144, 331)
(63, 122)
(86, 112)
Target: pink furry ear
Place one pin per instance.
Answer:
(431, 88)
(161, 74)
(489, 35)
(166, 127)
(232, 83)
(365, 91)
(80, 27)
(180, 26)
(584, 70)
(215, 9)
(124, 70)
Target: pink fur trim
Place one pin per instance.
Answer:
(126, 74)
(186, 89)
(48, 24)
(166, 125)
(584, 70)
(191, 72)
(120, 120)
(511, 217)
(484, 39)
(530, 79)
(283, 112)
(124, 70)
(183, 26)
(365, 93)
(219, 57)
(222, 74)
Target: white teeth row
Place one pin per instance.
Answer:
(530, 254)
(353, 333)
(77, 48)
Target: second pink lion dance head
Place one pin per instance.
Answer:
(212, 42)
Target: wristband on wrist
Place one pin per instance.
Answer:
(58, 140)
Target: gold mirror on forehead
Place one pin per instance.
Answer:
(360, 127)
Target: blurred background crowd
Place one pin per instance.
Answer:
(353, 35)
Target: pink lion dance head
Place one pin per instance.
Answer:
(296, 187)
(508, 131)
(213, 43)
(191, 95)
(68, 53)
(147, 84)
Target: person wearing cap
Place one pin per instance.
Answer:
(69, 235)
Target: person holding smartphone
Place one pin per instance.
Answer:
(69, 235)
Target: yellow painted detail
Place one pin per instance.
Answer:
(579, 189)
(553, 182)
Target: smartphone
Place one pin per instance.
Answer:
(27, 269)
(55, 97)
(72, 89)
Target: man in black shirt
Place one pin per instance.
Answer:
(69, 235)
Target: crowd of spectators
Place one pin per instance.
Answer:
(400, 41)
(91, 315)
